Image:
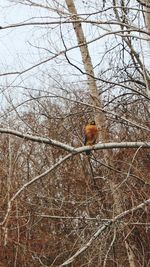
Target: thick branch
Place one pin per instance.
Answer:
(52, 142)
(37, 139)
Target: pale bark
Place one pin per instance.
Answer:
(130, 255)
(94, 96)
(146, 6)
(147, 18)
(96, 101)
(147, 24)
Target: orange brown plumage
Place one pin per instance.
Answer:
(91, 134)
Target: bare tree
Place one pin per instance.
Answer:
(75, 60)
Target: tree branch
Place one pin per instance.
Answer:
(102, 229)
(18, 193)
(72, 149)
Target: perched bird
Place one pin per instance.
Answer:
(91, 134)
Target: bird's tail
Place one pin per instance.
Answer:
(87, 152)
(86, 144)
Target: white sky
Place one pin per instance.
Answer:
(17, 51)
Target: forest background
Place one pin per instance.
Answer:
(64, 63)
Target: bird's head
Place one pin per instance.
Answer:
(92, 123)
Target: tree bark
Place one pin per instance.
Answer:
(146, 5)
(86, 59)
(147, 16)
(97, 102)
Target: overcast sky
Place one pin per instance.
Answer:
(19, 51)
(18, 47)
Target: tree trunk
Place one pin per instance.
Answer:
(147, 16)
(94, 96)
(99, 116)
(146, 5)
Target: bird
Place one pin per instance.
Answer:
(90, 134)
